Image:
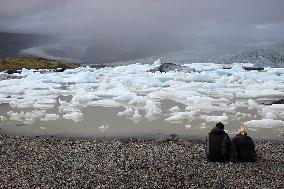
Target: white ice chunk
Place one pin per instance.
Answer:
(126, 112)
(66, 107)
(3, 118)
(187, 126)
(178, 117)
(157, 62)
(22, 103)
(35, 114)
(237, 68)
(84, 97)
(259, 93)
(43, 106)
(241, 104)
(136, 117)
(7, 100)
(103, 128)
(208, 77)
(174, 109)
(83, 77)
(213, 118)
(28, 117)
(152, 110)
(270, 115)
(199, 67)
(16, 116)
(124, 98)
(50, 117)
(46, 101)
(104, 103)
(252, 104)
(264, 123)
(203, 125)
(138, 100)
(277, 106)
(75, 116)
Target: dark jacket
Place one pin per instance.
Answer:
(243, 148)
(218, 145)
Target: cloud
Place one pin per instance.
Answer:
(130, 22)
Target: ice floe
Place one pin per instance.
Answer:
(126, 112)
(103, 128)
(50, 117)
(209, 92)
(215, 119)
(178, 117)
(75, 116)
(264, 123)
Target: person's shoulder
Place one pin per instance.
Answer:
(237, 137)
(249, 138)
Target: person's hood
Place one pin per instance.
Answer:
(242, 135)
(217, 130)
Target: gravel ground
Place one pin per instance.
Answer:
(131, 163)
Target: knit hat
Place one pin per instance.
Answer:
(220, 125)
(242, 130)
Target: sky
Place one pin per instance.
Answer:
(132, 22)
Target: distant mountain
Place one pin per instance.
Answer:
(273, 57)
(12, 43)
(91, 51)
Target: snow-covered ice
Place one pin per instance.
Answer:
(103, 128)
(264, 123)
(75, 116)
(210, 94)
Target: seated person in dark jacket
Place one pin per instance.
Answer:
(242, 147)
(218, 144)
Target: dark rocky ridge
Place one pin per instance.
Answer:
(166, 67)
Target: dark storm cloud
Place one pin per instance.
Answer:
(118, 17)
(130, 22)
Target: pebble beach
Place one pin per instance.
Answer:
(50, 162)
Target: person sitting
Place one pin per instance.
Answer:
(242, 147)
(218, 144)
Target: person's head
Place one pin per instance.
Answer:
(242, 130)
(220, 125)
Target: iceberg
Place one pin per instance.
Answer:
(264, 123)
(75, 116)
(208, 89)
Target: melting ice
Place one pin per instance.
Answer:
(211, 94)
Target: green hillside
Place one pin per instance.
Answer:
(17, 63)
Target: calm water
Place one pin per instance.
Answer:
(116, 126)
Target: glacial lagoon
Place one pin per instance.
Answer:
(129, 100)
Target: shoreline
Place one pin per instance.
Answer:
(132, 163)
(154, 137)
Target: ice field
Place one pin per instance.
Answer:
(129, 99)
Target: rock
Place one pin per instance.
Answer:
(9, 76)
(12, 71)
(281, 101)
(253, 68)
(60, 69)
(244, 67)
(166, 67)
(270, 102)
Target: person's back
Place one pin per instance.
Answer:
(243, 148)
(218, 144)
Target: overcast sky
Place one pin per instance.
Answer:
(130, 19)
